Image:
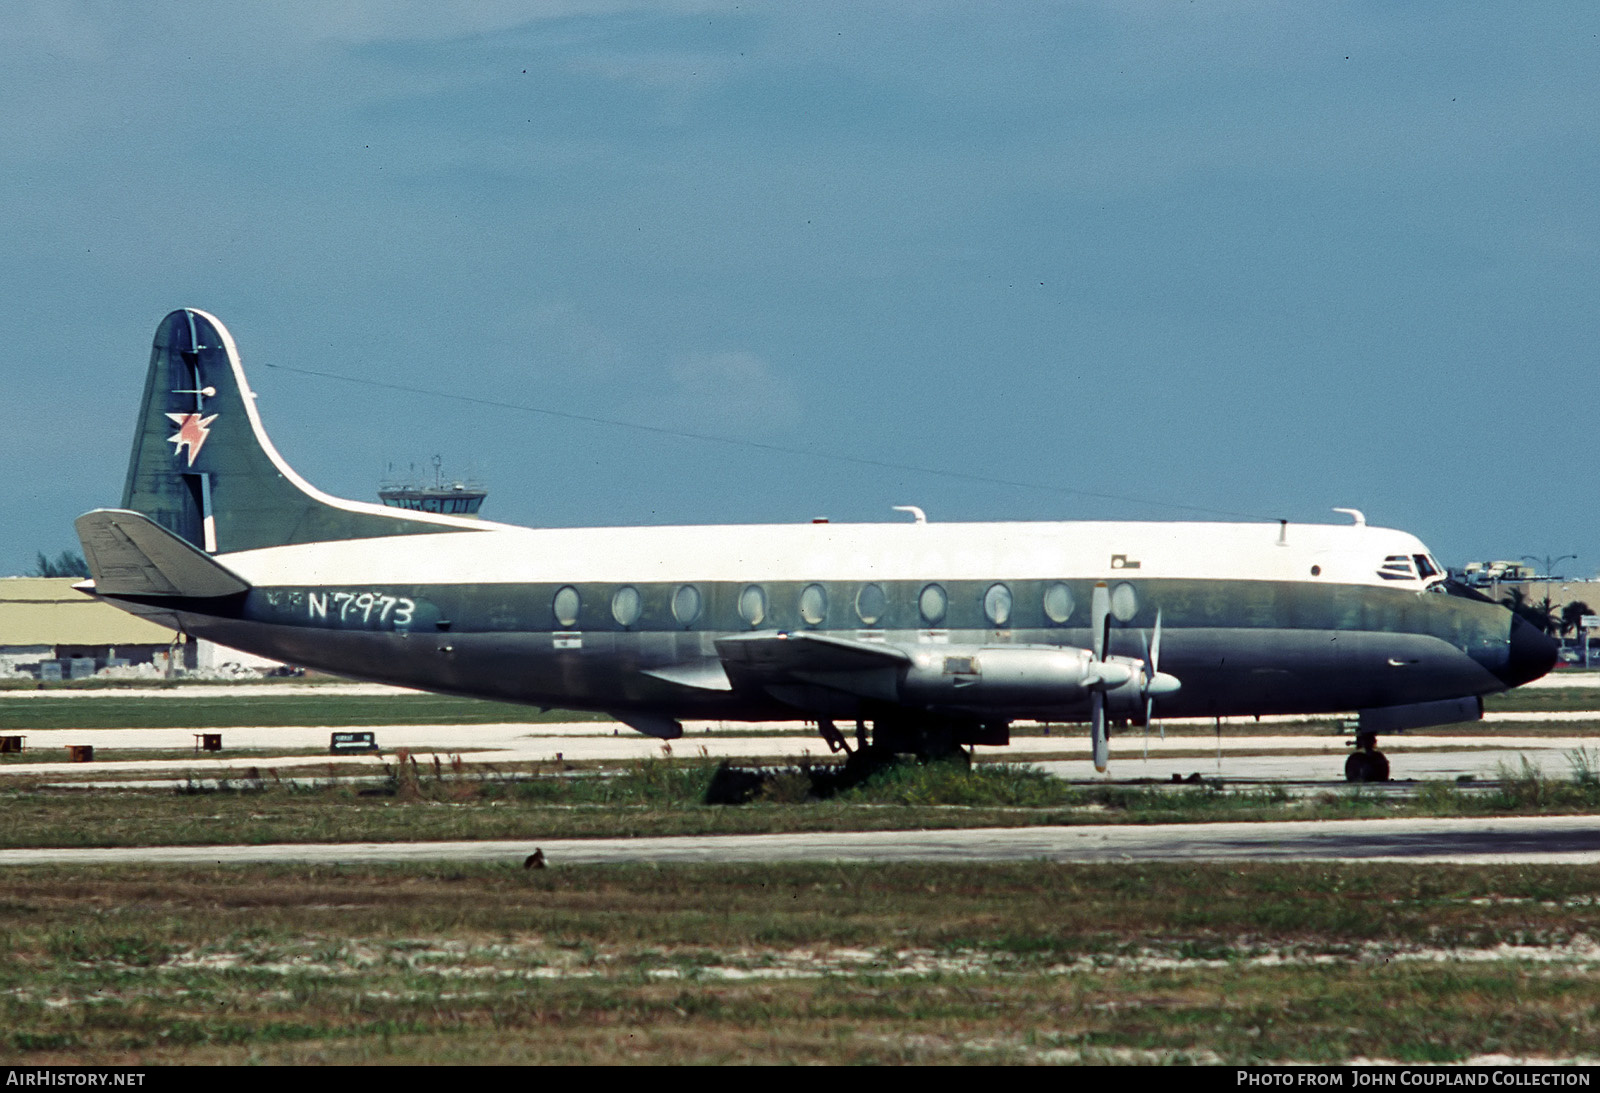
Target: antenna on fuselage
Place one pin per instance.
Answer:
(1355, 514)
(916, 513)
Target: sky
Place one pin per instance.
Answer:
(1112, 259)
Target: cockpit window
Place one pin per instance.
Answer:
(1412, 567)
(1397, 567)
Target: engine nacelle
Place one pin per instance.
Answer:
(1018, 676)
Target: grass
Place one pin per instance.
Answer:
(947, 963)
(1542, 699)
(800, 963)
(406, 800)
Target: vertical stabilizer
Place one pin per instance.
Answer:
(203, 468)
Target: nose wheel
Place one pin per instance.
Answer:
(1366, 763)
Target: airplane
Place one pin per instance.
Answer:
(937, 635)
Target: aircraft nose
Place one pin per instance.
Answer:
(1530, 656)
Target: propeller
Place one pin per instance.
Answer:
(1105, 674)
(1155, 682)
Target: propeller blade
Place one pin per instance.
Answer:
(1097, 730)
(1150, 679)
(1106, 674)
(1100, 619)
(1149, 674)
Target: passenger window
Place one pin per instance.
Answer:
(871, 603)
(686, 604)
(566, 605)
(626, 605)
(932, 603)
(1058, 602)
(1124, 602)
(753, 604)
(997, 604)
(814, 604)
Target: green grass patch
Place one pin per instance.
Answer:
(1023, 962)
(1544, 699)
(406, 801)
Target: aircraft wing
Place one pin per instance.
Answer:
(791, 667)
(783, 654)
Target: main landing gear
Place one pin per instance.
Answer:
(1366, 763)
(891, 741)
(929, 740)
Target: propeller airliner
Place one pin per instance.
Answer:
(927, 636)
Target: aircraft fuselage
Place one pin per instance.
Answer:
(577, 618)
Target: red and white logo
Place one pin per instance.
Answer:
(192, 432)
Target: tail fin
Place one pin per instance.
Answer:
(203, 468)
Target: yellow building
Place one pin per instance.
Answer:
(42, 619)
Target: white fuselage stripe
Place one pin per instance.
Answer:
(1341, 554)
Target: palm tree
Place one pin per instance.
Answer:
(1572, 616)
(1540, 614)
(65, 564)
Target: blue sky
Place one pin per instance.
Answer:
(1251, 258)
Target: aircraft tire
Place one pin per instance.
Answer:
(1366, 766)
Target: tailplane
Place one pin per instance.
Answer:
(132, 555)
(204, 469)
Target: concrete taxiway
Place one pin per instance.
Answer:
(1571, 840)
(1306, 757)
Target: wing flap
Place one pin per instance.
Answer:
(789, 664)
(781, 655)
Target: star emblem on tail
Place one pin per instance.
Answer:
(192, 432)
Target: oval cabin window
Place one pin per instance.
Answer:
(686, 604)
(814, 604)
(1124, 602)
(753, 604)
(626, 605)
(1058, 602)
(997, 604)
(566, 606)
(871, 603)
(933, 603)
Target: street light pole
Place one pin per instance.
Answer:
(1550, 563)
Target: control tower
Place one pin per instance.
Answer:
(451, 498)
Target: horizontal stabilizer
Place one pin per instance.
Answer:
(131, 555)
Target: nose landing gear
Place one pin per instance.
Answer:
(1366, 763)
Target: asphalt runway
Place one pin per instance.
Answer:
(1569, 840)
